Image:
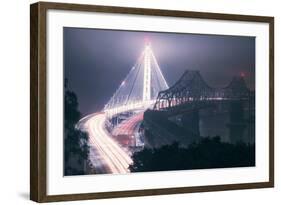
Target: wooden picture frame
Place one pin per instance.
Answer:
(38, 100)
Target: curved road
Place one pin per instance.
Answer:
(108, 156)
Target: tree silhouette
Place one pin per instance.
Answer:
(204, 154)
(76, 149)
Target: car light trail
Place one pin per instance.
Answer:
(116, 159)
(127, 127)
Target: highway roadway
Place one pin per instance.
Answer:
(106, 155)
(127, 127)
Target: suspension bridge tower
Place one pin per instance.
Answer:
(140, 87)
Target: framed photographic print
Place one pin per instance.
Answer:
(134, 102)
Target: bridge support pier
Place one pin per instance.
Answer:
(237, 124)
(190, 121)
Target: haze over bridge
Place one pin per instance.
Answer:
(145, 88)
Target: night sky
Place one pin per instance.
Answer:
(97, 61)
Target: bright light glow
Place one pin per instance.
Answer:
(132, 106)
(141, 85)
(147, 74)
